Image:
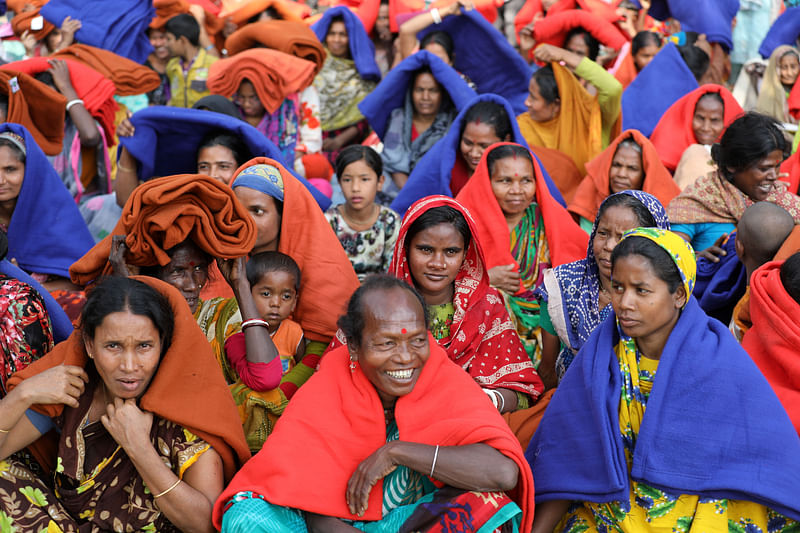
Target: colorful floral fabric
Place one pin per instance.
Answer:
(340, 88)
(370, 251)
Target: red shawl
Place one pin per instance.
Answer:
(330, 438)
(534, 7)
(673, 134)
(595, 187)
(567, 242)
(773, 340)
(553, 29)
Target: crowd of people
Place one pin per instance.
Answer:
(393, 265)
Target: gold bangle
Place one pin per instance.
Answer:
(5, 430)
(120, 166)
(157, 496)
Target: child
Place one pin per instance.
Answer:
(366, 230)
(188, 69)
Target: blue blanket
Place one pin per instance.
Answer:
(166, 141)
(713, 426)
(391, 92)
(484, 55)
(712, 17)
(118, 25)
(659, 85)
(719, 286)
(784, 30)
(46, 233)
(433, 172)
(362, 49)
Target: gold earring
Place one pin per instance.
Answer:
(352, 365)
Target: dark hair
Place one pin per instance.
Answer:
(358, 152)
(4, 105)
(18, 154)
(505, 151)
(352, 322)
(45, 77)
(264, 262)
(443, 39)
(644, 217)
(662, 263)
(591, 43)
(270, 11)
(747, 140)
(184, 25)
(643, 39)
(696, 59)
(490, 113)
(443, 214)
(790, 276)
(546, 80)
(114, 294)
(337, 18)
(233, 143)
(157, 271)
(218, 104)
(3, 245)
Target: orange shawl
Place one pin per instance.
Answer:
(37, 107)
(274, 75)
(562, 171)
(446, 407)
(565, 240)
(596, 187)
(306, 236)
(293, 38)
(188, 388)
(22, 22)
(577, 130)
(165, 212)
(129, 77)
(624, 68)
(240, 11)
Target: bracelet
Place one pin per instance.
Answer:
(492, 396)
(5, 430)
(435, 456)
(437, 17)
(120, 166)
(502, 401)
(74, 102)
(255, 322)
(157, 496)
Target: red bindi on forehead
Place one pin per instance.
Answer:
(404, 331)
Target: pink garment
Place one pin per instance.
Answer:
(257, 376)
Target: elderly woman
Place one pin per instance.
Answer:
(634, 410)
(779, 78)
(407, 422)
(137, 448)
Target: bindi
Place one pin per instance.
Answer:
(404, 331)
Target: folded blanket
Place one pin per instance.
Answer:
(400, 10)
(240, 11)
(166, 9)
(37, 107)
(274, 75)
(362, 50)
(553, 29)
(714, 18)
(532, 8)
(22, 23)
(129, 77)
(720, 285)
(784, 30)
(293, 38)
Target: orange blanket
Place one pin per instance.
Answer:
(37, 107)
(240, 11)
(163, 213)
(166, 9)
(275, 75)
(624, 68)
(562, 170)
(188, 388)
(293, 38)
(129, 77)
(22, 23)
(596, 187)
(331, 438)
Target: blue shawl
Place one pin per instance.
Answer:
(720, 285)
(361, 47)
(784, 30)
(46, 233)
(659, 85)
(713, 425)
(166, 141)
(433, 172)
(391, 93)
(712, 17)
(484, 55)
(118, 25)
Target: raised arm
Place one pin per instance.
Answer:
(407, 38)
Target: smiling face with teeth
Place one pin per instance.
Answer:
(758, 180)
(394, 342)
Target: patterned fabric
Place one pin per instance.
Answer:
(572, 290)
(282, 126)
(25, 332)
(263, 178)
(219, 318)
(310, 136)
(370, 251)
(441, 317)
(678, 249)
(340, 88)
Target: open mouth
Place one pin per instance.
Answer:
(129, 385)
(401, 375)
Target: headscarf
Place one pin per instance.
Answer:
(577, 130)
(772, 99)
(294, 38)
(680, 251)
(596, 186)
(362, 50)
(307, 237)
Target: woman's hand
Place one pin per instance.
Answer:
(128, 425)
(505, 278)
(714, 252)
(233, 270)
(331, 144)
(455, 7)
(61, 384)
(29, 42)
(68, 29)
(117, 256)
(526, 40)
(60, 72)
(375, 467)
(125, 128)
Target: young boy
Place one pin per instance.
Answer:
(188, 69)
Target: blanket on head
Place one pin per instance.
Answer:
(293, 38)
(784, 30)
(714, 18)
(361, 48)
(35, 106)
(129, 77)
(240, 11)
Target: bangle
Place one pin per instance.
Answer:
(4, 430)
(492, 396)
(437, 17)
(157, 496)
(435, 456)
(502, 401)
(255, 322)
(74, 102)
(120, 166)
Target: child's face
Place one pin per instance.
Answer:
(359, 185)
(173, 44)
(275, 297)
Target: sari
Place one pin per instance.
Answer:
(546, 236)
(773, 97)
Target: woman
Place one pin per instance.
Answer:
(348, 75)
(747, 158)
(635, 56)
(219, 155)
(138, 447)
(629, 163)
(779, 78)
(578, 294)
(524, 231)
(634, 410)
(390, 380)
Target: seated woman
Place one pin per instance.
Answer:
(641, 420)
(219, 154)
(578, 294)
(629, 163)
(779, 78)
(348, 75)
(390, 381)
(586, 128)
(747, 158)
(138, 447)
(523, 230)
(635, 56)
